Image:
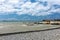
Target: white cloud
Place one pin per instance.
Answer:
(27, 7)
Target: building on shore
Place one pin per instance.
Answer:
(53, 22)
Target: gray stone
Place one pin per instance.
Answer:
(41, 35)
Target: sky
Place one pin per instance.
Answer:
(32, 8)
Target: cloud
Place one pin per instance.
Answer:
(35, 8)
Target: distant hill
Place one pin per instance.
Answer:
(26, 17)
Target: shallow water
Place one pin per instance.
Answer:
(10, 27)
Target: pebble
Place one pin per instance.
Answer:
(41, 35)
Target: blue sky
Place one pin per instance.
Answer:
(29, 9)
